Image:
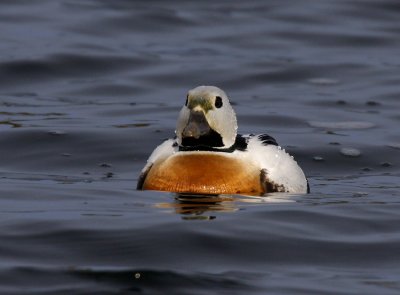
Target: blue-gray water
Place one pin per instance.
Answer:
(89, 88)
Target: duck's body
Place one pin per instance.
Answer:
(200, 161)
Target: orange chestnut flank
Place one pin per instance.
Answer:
(209, 157)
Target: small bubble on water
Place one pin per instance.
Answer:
(137, 275)
(57, 132)
(350, 152)
(323, 81)
(318, 158)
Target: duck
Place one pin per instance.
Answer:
(207, 156)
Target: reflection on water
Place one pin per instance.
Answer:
(202, 206)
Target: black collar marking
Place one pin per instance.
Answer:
(212, 138)
(240, 144)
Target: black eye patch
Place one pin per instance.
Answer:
(218, 102)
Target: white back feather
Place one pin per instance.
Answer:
(280, 166)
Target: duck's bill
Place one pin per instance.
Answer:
(197, 126)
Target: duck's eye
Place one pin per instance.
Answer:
(187, 100)
(218, 102)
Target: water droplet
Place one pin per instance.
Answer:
(350, 152)
(318, 158)
(57, 132)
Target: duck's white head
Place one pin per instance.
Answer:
(207, 119)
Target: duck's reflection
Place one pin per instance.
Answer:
(202, 207)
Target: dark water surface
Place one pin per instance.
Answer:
(89, 88)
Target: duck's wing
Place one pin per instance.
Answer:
(279, 171)
(164, 150)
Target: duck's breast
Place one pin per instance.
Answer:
(204, 173)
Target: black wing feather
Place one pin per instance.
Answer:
(142, 178)
(267, 139)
